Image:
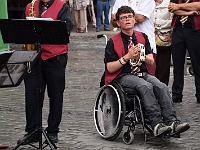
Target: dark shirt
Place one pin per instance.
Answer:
(63, 15)
(111, 55)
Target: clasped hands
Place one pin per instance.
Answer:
(134, 52)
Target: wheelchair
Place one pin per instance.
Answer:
(115, 108)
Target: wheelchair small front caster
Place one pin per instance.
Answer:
(128, 137)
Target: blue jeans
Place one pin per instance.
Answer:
(100, 8)
(155, 98)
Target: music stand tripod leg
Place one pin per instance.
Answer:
(49, 141)
(18, 145)
(42, 131)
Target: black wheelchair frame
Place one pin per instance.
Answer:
(115, 108)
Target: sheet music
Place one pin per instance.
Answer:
(35, 18)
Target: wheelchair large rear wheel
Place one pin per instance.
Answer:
(109, 111)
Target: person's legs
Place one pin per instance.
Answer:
(106, 13)
(163, 96)
(149, 102)
(32, 84)
(55, 78)
(178, 56)
(99, 10)
(166, 106)
(77, 19)
(147, 97)
(83, 20)
(159, 107)
(32, 99)
(192, 39)
(163, 60)
(93, 15)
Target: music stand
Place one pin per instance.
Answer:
(35, 32)
(14, 65)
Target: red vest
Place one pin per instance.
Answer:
(196, 20)
(49, 51)
(119, 49)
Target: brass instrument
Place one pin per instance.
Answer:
(31, 14)
(31, 10)
(141, 59)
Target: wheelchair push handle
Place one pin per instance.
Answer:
(102, 35)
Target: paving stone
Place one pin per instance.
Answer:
(83, 73)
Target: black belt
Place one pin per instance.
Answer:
(185, 25)
(59, 56)
(103, 0)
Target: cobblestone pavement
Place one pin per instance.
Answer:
(84, 69)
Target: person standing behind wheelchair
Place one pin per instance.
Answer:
(155, 96)
(163, 31)
(185, 36)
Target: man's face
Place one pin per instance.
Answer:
(126, 21)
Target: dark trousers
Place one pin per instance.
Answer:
(182, 39)
(163, 60)
(52, 77)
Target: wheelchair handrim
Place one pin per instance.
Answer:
(96, 110)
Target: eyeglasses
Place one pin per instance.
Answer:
(126, 17)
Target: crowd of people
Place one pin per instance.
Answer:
(96, 11)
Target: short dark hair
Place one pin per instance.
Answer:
(124, 10)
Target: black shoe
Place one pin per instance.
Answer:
(31, 139)
(177, 99)
(53, 137)
(97, 30)
(106, 29)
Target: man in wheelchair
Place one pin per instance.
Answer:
(126, 54)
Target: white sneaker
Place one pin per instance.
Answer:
(161, 129)
(179, 127)
(114, 29)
